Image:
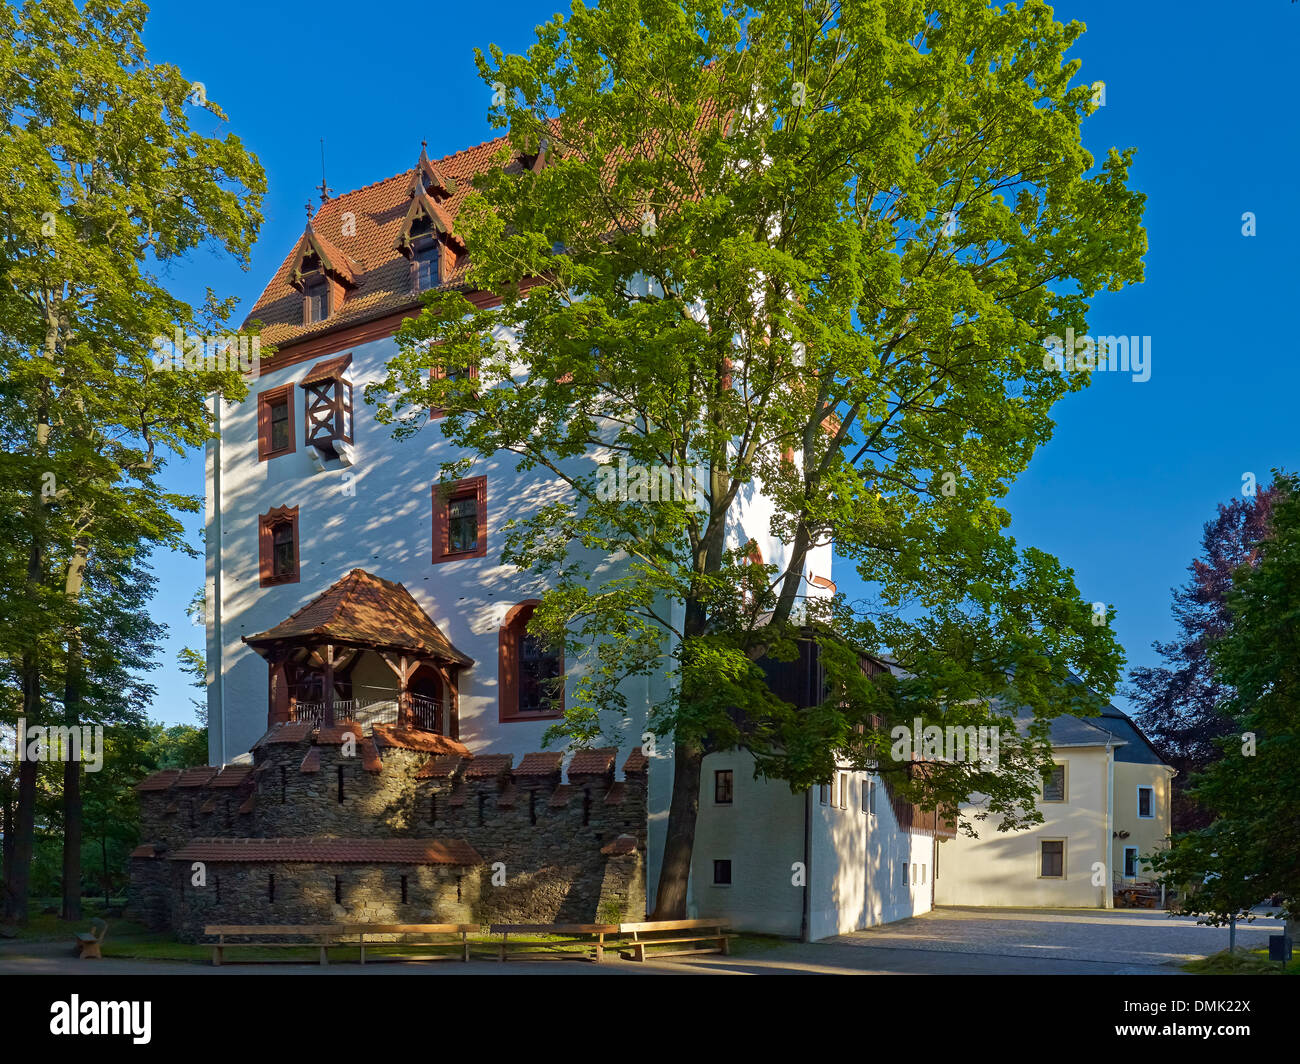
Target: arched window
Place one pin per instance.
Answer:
(278, 546)
(529, 672)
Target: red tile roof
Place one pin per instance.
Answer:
(311, 763)
(250, 803)
(338, 735)
(145, 849)
(440, 766)
(232, 775)
(593, 762)
(636, 763)
(488, 765)
(292, 732)
(196, 777)
(621, 845)
(382, 273)
(370, 759)
(540, 764)
(561, 796)
(362, 608)
(616, 794)
(159, 781)
(414, 739)
(331, 851)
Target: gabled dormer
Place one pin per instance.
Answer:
(428, 179)
(323, 275)
(426, 237)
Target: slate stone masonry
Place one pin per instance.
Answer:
(541, 847)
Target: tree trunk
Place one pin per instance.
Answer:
(674, 874)
(103, 846)
(72, 811)
(25, 820)
(7, 853)
(1232, 934)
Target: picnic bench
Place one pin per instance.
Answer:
(434, 934)
(325, 937)
(691, 933)
(590, 936)
(89, 942)
(321, 936)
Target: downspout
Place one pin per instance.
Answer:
(1108, 893)
(805, 923)
(215, 552)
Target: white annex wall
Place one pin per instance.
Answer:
(1002, 868)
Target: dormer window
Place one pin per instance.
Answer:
(327, 406)
(426, 266)
(316, 301)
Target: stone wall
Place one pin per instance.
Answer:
(551, 849)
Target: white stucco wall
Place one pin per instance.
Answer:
(1002, 868)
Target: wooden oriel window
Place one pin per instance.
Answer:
(460, 520)
(530, 674)
(275, 435)
(327, 399)
(278, 546)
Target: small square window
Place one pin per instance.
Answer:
(722, 873)
(275, 423)
(722, 786)
(460, 520)
(1052, 859)
(1054, 784)
(1146, 803)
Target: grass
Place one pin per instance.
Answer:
(1241, 962)
(133, 941)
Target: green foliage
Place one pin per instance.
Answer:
(838, 230)
(1255, 786)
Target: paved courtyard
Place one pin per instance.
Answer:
(953, 941)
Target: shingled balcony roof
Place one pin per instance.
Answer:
(363, 610)
(330, 851)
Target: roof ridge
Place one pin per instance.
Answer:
(407, 172)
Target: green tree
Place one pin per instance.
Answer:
(1254, 788)
(809, 248)
(107, 182)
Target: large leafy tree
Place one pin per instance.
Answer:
(107, 182)
(1180, 702)
(812, 249)
(1254, 787)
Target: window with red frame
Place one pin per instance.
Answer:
(278, 546)
(530, 676)
(460, 520)
(275, 435)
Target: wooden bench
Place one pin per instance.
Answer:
(594, 948)
(435, 935)
(89, 942)
(679, 933)
(321, 936)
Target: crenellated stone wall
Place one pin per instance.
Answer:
(531, 842)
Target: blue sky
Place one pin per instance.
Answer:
(1204, 92)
